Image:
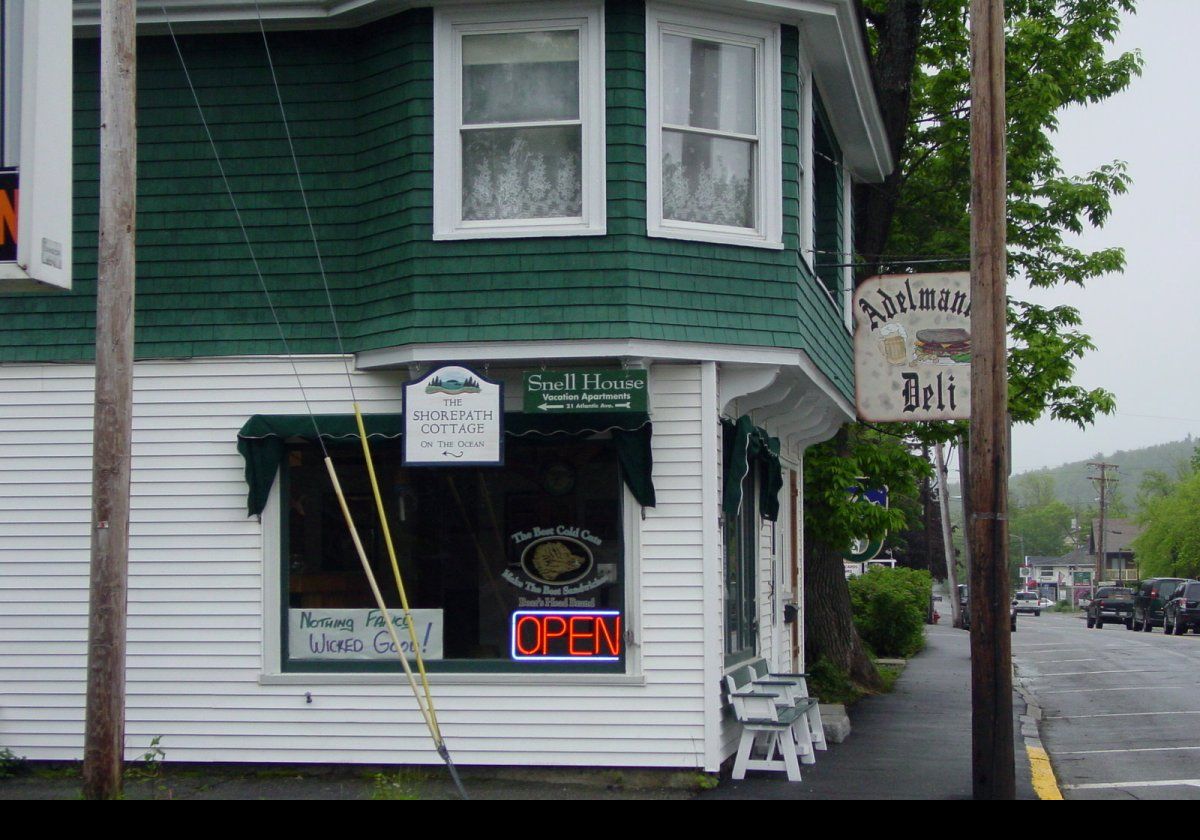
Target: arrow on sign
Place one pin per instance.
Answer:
(548, 407)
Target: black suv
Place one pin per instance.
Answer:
(1183, 609)
(1149, 600)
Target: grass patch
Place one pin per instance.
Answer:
(1064, 607)
(832, 685)
(402, 785)
(11, 764)
(889, 674)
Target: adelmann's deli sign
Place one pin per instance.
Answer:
(912, 347)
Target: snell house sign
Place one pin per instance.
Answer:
(912, 347)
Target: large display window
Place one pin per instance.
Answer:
(513, 568)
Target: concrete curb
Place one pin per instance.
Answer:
(1045, 784)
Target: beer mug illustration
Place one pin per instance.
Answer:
(893, 340)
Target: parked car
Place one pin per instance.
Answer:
(1027, 602)
(1111, 605)
(1182, 611)
(1149, 600)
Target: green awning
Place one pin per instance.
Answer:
(262, 441)
(750, 447)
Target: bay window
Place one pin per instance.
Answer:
(713, 132)
(518, 122)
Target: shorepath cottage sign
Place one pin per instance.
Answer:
(912, 347)
(550, 391)
(453, 417)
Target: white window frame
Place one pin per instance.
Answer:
(764, 38)
(273, 606)
(449, 25)
(38, 140)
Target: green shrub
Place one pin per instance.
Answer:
(890, 606)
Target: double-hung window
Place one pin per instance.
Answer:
(519, 122)
(713, 133)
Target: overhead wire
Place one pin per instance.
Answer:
(424, 703)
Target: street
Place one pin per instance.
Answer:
(1120, 709)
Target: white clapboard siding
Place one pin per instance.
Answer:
(196, 662)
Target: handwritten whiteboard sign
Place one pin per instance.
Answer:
(328, 634)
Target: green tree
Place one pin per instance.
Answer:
(1042, 530)
(1170, 545)
(919, 56)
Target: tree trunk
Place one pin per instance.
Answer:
(829, 631)
(898, 33)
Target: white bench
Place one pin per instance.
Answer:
(773, 721)
(792, 688)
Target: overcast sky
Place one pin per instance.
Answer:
(1145, 322)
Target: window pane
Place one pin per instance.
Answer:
(474, 546)
(708, 179)
(520, 77)
(524, 173)
(708, 85)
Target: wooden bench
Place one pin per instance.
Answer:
(771, 717)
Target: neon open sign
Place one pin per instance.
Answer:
(567, 635)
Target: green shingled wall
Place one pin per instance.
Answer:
(360, 106)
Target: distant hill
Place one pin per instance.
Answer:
(1071, 483)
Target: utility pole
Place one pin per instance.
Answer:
(104, 733)
(947, 537)
(993, 760)
(1102, 481)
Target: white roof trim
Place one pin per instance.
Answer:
(639, 350)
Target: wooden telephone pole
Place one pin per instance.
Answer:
(104, 733)
(993, 760)
(1102, 481)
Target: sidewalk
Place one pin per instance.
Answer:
(914, 743)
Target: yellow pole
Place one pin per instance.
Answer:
(362, 556)
(391, 549)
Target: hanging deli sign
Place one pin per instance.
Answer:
(361, 634)
(912, 347)
(550, 391)
(453, 417)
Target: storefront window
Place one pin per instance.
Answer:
(741, 626)
(519, 567)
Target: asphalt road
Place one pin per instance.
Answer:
(1121, 709)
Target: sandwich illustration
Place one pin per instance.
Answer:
(943, 346)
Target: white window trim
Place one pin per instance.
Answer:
(764, 37)
(39, 35)
(448, 27)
